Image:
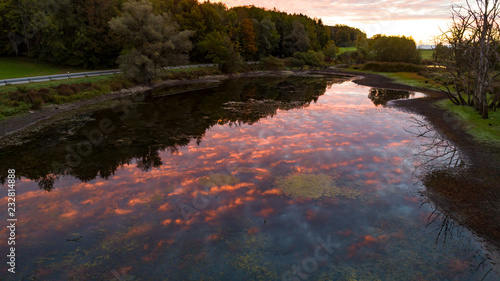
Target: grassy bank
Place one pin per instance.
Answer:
(413, 79)
(18, 99)
(487, 131)
(410, 78)
(484, 130)
(23, 67)
(405, 78)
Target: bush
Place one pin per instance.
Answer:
(64, 90)
(115, 86)
(272, 63)
(22, 89)
(392, 67)
(126, 83)
(37, 103)
(294, 62)
(427, 62)
(350, 57)
(311, 58)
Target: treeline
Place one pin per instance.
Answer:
(346, 36)
(382, 48)
(78, 32)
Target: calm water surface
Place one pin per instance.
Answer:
(256, 179)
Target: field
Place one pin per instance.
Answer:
(346, 49)
(426, 54)
(22, 67)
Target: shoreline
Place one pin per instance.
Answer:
(439, 118)
(469, 195)
(25, 121)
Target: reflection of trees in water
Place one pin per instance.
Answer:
(381, 96)
(152, 126)
(460, 195)
(435, 151)
(446, 228)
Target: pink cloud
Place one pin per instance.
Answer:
(360, 10)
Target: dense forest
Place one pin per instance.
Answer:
(78, 32)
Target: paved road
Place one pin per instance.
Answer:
(25, 80)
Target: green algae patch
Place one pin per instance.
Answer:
(252, 258)
(313, 186)
(218, 180)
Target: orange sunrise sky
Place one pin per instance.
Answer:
(420, 19)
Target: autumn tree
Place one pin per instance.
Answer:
(248, 40)
(153, 41)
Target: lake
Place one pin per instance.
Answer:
(277, 178)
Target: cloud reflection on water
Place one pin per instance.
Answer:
(156, 217)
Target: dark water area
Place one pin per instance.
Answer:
(302, 178)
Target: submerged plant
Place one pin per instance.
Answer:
(313, 186)
(218, 180)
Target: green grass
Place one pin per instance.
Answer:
(10, 107)
(17, 99)
(426, 54)
(92, 79)
(408, 78)
(346, 49)
(23, 67)
(479, 128)
(39, 85)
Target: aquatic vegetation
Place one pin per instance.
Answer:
(313, 186)
(253, 260)
(218, 180)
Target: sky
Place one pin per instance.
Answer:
(421, 19)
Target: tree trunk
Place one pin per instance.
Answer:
(25, 29)
(485, 106)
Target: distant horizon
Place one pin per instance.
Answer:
(421, 19)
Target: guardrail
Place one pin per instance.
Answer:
(45, 78)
